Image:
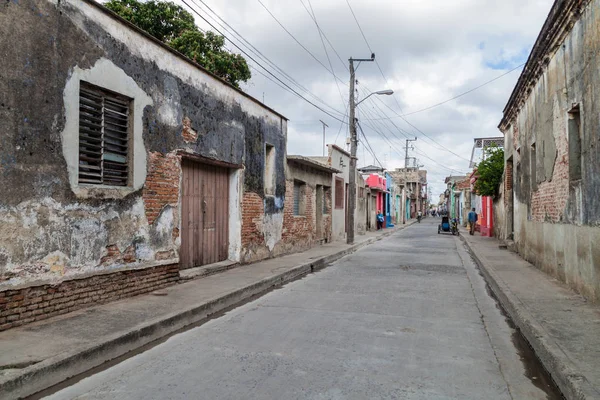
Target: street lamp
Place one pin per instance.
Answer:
(386, 92)
(353, 145)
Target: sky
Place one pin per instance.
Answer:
(426, 51)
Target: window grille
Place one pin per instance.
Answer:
(103, 137)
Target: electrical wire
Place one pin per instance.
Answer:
(369, 146)
(344, 64)
(324, 48)
(441, 147)
(461, 94)
(299, 43)
(386, 138)
(250, 57)
(232, 31)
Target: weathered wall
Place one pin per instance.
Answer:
(556, 219)
(300, 231)
(361, 205)
(52, 228)
(339, 160)
(499, 215)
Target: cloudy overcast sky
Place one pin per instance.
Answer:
(428, 50)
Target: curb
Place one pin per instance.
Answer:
(57, 369)
(563, 371)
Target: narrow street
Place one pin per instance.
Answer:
(408, 317)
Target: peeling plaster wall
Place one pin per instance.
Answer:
(51, 228)
(556, 219)
(339, 160)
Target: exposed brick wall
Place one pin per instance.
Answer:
(23, 306)
(508, 176)
(549, 200)
(299, 231)
(162, 183)
(253, 210)
(189, 135)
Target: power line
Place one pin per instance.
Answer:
(227, 27)
(361, 31)
(324, 48)
(462, 94)
(440, 146)
(342, 124)
(386, 138)
(325, 36)
(298, 42)
(397, 102)
(250, 57)
(369, 146)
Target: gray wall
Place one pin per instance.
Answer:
(50, 227)
(557, 219)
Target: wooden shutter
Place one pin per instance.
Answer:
(339, 193)
(103, 137)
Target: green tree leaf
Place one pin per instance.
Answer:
(489, 172)
(174, 26)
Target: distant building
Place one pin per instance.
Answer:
(414, 181)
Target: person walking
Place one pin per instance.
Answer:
(472, 221)
(379, 220)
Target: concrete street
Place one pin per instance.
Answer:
(405, 318)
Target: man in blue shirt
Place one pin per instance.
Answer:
(472, 221)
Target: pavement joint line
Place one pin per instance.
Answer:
(563, 371)
(66, 365)
(484, 322)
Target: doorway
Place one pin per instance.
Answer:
(204, 214)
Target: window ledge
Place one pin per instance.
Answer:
(102, 192)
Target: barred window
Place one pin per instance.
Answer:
(104, 121)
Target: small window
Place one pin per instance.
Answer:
(574, 132)
(339, 193)
(104, 121)
(269, 169)
(361, 192)
(299, 198)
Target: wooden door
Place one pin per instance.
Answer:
(346, 209)
(319, 202)
(204, 218)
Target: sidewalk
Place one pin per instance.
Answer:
(37, 356)
(560, 325)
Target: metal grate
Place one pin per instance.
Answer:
(103, 138)
(325, 200)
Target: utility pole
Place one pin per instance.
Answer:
(324, 125)
(353, 144)
(407, 147)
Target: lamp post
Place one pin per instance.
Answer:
(353, 144)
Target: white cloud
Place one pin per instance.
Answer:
(429, 51)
